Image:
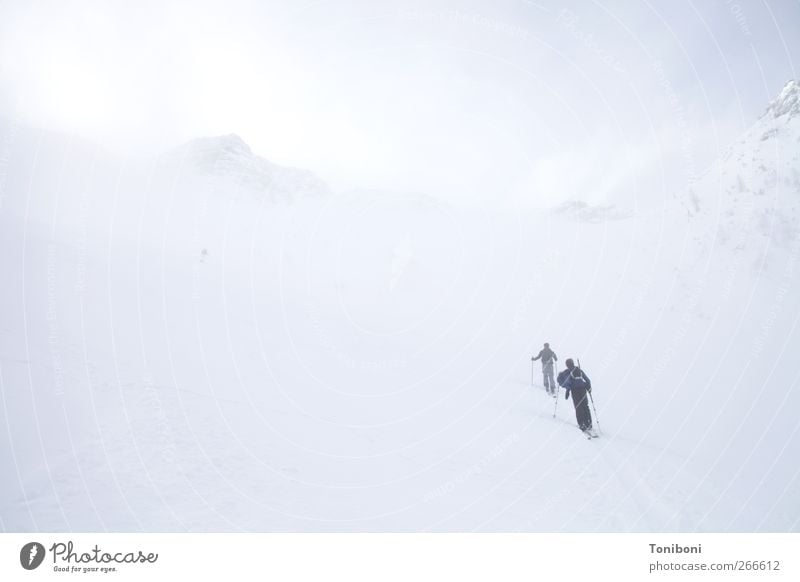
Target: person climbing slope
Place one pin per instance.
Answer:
(578, 384)
(548, 358)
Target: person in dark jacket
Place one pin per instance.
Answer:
(578, 384)
(548, 358)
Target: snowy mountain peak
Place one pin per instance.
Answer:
(232, 165)
(207, 151)
(230, 143)
(749, 201)
(787, 103)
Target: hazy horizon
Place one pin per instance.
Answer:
(517, 100)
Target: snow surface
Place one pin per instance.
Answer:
(205, 341)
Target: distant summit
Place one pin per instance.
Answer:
(230, 144)
(787, 103)
(230, 163)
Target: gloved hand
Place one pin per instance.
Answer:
(566, 396)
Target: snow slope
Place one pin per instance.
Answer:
(185, 345)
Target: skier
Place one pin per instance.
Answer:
(547, 356)
(578, 383)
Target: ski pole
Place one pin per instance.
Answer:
(597, 420)
(532, 372)
(591, 399)
(558, 389)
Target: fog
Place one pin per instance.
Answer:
(196, 338)
(471, 100)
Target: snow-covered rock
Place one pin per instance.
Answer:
(787, 103)
(750, 197)
(233, 167)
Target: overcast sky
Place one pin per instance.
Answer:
(546, 101)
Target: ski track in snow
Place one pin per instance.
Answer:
(154, 461)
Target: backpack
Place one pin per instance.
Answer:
(577, 380)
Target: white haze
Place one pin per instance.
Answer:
(510, 101)
(196, 338)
